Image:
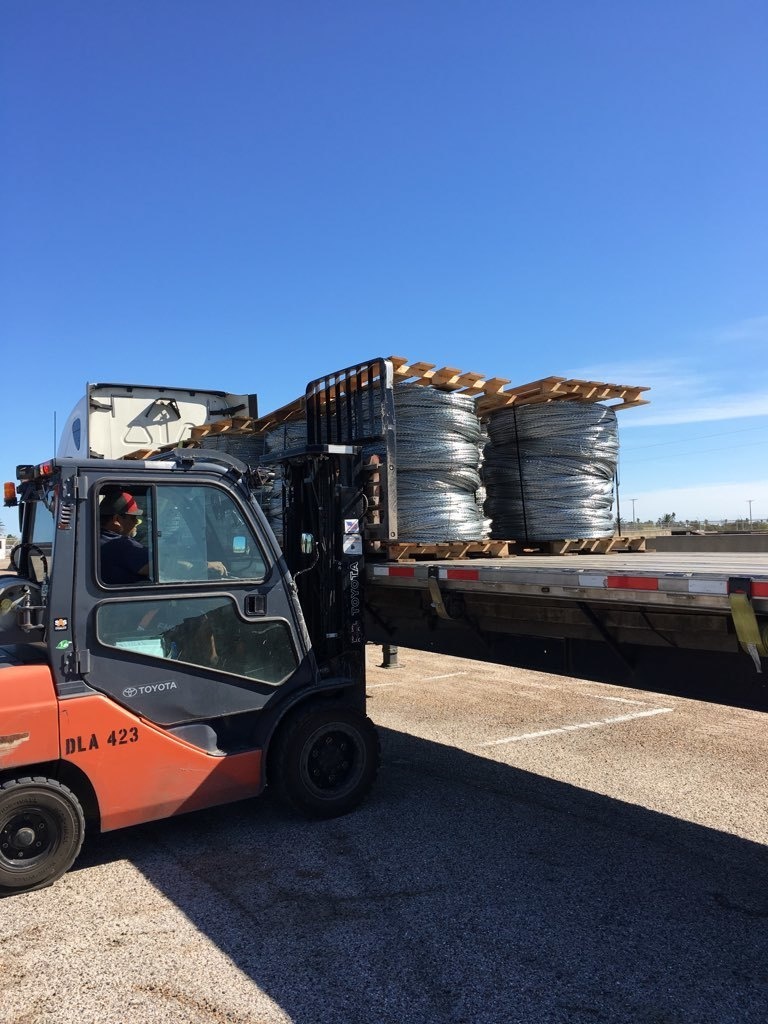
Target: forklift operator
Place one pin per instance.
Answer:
(123, 558)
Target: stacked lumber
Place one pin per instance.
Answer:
(493, 393)
(236, 425)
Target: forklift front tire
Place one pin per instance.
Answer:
(42, 828)
(325, 759)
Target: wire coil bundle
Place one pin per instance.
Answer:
(438, 460)
(549, 471)
(247, 447)
(289, 435)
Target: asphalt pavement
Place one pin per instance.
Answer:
(537, 849)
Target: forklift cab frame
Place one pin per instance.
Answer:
(186, 686)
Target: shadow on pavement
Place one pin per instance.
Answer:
(711, 676)
(470, 891)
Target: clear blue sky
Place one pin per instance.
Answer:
(244, 195)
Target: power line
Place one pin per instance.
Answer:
(699, 437)
(681, 455)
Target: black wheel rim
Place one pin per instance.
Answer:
(332, 761)
(27, 837)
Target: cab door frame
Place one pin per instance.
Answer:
(167, 692)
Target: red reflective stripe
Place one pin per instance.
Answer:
(462, 574)
(759, 589)
(632, 582)
(401, 570)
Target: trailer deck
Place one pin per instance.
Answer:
(645, 578)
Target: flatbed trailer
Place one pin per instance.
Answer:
(610, 616)
(671, 581)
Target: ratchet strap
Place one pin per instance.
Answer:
(435, 593)
(745, 621)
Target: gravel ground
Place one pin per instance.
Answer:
(537, 849)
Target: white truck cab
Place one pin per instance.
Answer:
(113, 420)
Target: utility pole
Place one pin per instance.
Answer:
(633, 500)
(749, 502)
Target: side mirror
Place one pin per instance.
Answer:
(239, 546)
(307, 544)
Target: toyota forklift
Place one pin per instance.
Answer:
(127, 702)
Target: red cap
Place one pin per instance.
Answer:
(119, 503)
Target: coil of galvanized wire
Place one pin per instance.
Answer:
(249, 448)
(438, 460)
(246, 447)
(549, 471)
(288, 435)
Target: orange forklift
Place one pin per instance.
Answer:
(223, 663)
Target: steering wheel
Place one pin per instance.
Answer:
(13, 557)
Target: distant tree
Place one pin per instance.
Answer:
(668, 519)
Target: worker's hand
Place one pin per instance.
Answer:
(216, 569)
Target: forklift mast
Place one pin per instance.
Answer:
(327, 505)
(323, 550)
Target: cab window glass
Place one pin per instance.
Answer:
(202, 536)
(201, 631)
(40, 553)
(126, 535)
(42, 528)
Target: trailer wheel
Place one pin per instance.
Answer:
(325, 759)
(41, 831)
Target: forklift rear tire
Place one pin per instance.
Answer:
(325, 759)
(41, 831)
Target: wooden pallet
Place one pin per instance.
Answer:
(193, 442)
(144, 453)
(411, 551)
(238, 425)
(493, 393)
(297, 409)
(582, 546)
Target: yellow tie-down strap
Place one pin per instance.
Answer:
(751, 639)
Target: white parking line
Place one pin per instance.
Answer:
(426, 679)
(580, 725)
(619, 700)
